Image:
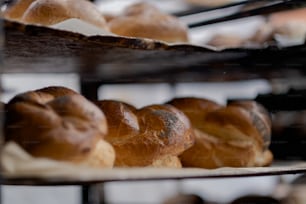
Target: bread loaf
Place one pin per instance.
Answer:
(16, 9)
(146, 21)
(284, 17)
(58, 123)
(236, 135)
(226, 41)
(49, 12)
(151, 136)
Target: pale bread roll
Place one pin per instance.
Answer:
(146, 21)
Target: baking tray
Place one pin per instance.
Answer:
(20, 168)
(115, 59)
(145, 174)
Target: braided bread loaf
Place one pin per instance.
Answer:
(151, 136)
(58, 123)
(236, 135)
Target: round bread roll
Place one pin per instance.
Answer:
(228, 136)
(226, 41)
(151, 136)
(16, 9)
(263, 35)
(146, 21)
(284, 17)
(58, 123)
(49, 12)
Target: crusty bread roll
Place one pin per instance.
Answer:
(49, 12)
(235, 136)
(146, 21)
(17, 9)
(284, 17)
(151, 136)
(58, 123)
(261, 119)
(226, 41)
(263, 35)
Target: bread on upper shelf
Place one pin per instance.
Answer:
(16, 9)
(49, 12)
(138, 20)
(60, 124)
(147, 21)
(236, 135)
(151, 136)
(283, 28)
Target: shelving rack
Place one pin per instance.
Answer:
(104, 60)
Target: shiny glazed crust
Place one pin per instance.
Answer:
(16, 10)
(237, 135)
(49, 12)
(153, 135)
(60, 124)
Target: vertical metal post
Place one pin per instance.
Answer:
(89, 88)
(1, 70)
(93, 194)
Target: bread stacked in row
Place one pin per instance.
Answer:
(58, 123)
(61, 124)
(137, 20)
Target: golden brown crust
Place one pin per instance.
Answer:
(56, 123)
(167, 161)
(231, 123)
(236, 135)
(210, 152)
(195, 108)
(281, 18)
(226, 41)
(260, 119)
(46, 12)
(49, 12)
(142, 136)
(146, 21)
(17, 9)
